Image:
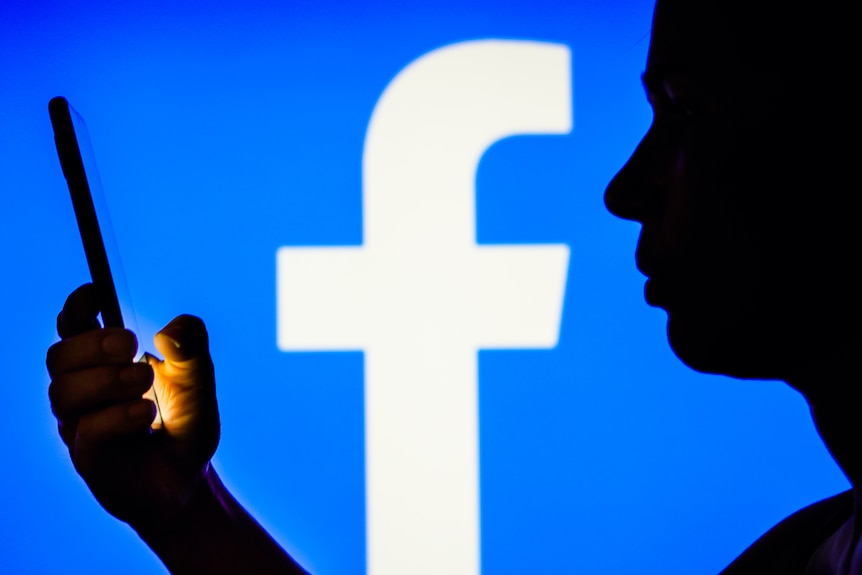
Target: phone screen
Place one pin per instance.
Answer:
(91, 211)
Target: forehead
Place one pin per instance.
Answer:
(692, 38)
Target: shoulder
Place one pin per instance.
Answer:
(786, 548)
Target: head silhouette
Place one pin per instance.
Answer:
(745, 184)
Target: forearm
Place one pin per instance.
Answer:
(217, 536)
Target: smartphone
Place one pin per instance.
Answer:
(94, 224)
(79, 168)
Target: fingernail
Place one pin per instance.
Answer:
(172, 340)
(116, 344)
(142, 410)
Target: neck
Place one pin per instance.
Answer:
(833, 388)
(839, 422)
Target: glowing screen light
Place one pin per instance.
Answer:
(431, 345)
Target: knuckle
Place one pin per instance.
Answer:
(55, 393)
(84, 430)
(51, 357)
(67, 433)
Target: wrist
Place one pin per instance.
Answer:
(175, 525)
(215, 535)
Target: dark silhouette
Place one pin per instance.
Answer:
(743, 187)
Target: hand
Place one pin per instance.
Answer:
(141, 470)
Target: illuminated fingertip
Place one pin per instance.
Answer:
(172, 340)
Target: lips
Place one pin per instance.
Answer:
(656, 292)
(658, 265)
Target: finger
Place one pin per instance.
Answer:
(113, 423)
(75, 393)
(79, 312)
(184, 343)
(109, 346)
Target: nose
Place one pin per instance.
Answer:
(631, 193)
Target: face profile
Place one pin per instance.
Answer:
(745, 188)
(733, 239)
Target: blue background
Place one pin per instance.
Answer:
(225, 130)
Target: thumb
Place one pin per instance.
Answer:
(184, 344)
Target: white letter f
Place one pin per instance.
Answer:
(420, 297)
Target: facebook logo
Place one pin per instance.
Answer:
(420, 297)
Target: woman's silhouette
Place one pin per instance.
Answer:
(745, 189)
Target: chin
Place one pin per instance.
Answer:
(723, 347)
